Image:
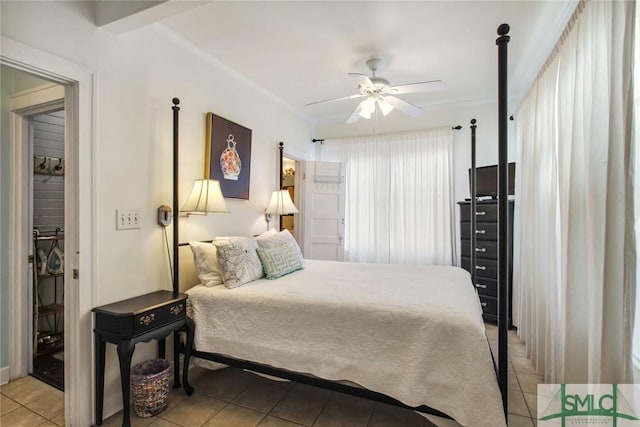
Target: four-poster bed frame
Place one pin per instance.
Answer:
(501, 42)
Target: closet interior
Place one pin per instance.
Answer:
(47, 132)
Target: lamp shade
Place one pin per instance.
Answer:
(385, 107)
(367, 107)
(205, 197)
(281, 203)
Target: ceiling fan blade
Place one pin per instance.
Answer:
(362, 79)
(404, 106)
(359, 95)
(431, 86)
(355, 116)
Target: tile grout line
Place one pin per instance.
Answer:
(323, 408)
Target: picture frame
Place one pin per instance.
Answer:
(228, 156)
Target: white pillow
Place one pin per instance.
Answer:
(206, 262)
(277, 239)
(238, 260)
(266, 234)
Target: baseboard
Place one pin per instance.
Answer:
(5, 374)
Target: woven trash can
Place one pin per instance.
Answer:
(150, 386)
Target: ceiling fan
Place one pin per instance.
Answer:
(381, 94)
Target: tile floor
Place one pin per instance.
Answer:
(231, 397)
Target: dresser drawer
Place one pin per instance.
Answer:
(152, 319)
(484, 230)
(489, 305)
(484, 267)
(485, 212)
(487, 287)
(484, 248)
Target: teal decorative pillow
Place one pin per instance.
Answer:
(279, 260)
(276, 239)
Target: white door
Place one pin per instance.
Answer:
(323, 210)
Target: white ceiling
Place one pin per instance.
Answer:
(301, 51)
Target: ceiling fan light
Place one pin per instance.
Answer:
(367, 107)
(385, 107)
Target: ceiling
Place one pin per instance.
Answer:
(301, 51)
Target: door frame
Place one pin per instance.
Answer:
(79, 86)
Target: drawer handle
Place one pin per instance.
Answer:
(484, 304)
(176, 309)
(480, 267)
(146, 320)
(481, 231)
(481, 249)
(481, 286)
(480, 213)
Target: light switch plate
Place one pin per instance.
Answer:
(127, 219)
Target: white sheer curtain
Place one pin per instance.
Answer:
(574, 260)
(399, 196)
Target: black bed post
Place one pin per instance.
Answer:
(176, 109)
(281, 151)
(280, 178)
(473, 201)
(503, 268)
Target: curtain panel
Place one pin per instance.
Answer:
(574, 249)
(399, 196)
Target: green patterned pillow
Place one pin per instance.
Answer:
(276, 239)
(279, 260)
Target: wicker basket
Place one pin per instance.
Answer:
(150, 386)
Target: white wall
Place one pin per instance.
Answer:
(137, 75)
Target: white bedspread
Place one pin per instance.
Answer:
(414, 333)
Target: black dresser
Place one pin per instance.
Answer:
(486, 252)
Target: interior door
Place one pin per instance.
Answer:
(324, 210)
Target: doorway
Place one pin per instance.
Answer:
(32, 244)
(47, 212)
(78, 87)
(324, 210)
(288, 222)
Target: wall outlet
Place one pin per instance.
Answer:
(127, 219)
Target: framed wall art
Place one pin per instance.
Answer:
(228, 156)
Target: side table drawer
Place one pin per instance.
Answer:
(157, 317)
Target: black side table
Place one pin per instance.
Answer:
(140, 319)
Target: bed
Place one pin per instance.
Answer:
(414, 333)
(411, 335)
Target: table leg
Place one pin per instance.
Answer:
(125, 353)
(162, 344)
(100, 347)
(191, 328)
(176, 359)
